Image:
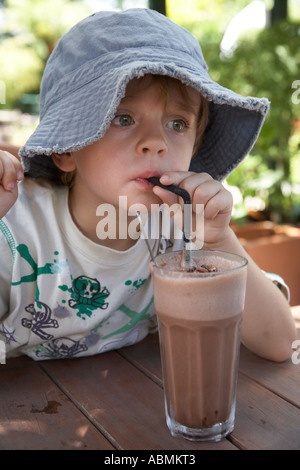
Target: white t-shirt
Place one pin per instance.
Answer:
(61, 294)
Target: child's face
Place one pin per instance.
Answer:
(150, 134)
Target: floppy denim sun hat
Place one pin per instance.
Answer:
(86, 76)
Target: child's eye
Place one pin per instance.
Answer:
(123, 120)
(177, 125)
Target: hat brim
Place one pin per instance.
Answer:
(83, 115)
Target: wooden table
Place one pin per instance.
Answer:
(114, 401)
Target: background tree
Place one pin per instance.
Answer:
(31, 30)
(279, 11)
(158, 5)
(265, 63)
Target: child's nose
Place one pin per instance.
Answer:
(152, 143)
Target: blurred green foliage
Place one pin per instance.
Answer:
(23, 77)
(31, 30)
(265, 63)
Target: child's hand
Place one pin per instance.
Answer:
(11, 173)
(203, 189)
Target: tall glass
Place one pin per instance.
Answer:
(199, 318)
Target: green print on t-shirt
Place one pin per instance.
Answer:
(49, 268)
(134, 316)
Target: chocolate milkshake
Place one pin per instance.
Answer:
(199, 324)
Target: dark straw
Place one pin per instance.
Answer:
(186, 259)
(174, 189)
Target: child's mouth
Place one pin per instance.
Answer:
(143, 180)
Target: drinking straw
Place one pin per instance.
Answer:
(186, 260)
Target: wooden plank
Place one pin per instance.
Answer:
(122, 401)
(282, 378)
(145, 355)
(264, 421)
(16, 363)
(36, 415)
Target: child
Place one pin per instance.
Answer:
(125, 96)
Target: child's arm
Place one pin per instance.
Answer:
(10, 173)
(268, 327)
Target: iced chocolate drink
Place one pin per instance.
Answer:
(199, 316)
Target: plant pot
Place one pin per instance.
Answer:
(275, 249)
